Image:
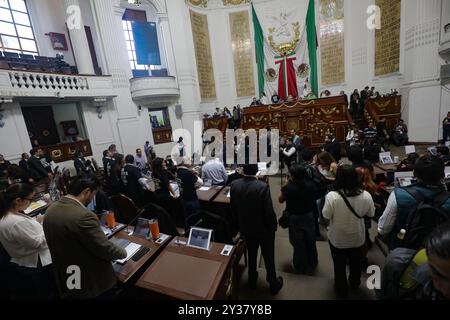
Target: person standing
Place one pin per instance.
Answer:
(190, 182)
(180, 145)
(251, 202)
(148, 149)
(299, 195)
(345, 209)
(446, 127)
(139, 160)
(23, 239)
(75, 238)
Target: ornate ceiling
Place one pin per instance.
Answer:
(206, 3)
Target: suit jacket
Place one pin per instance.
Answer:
(37, 170)
(251, 202)
(335, 149)
(74, 237)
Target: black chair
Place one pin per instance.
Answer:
(11, 54)
(125, 208)
(165, 221)
(220, 226)
(26, 56)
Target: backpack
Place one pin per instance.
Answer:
(423, 219)
(397, 277)
(319, 180)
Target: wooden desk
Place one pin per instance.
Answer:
(208, 195)
(186, 273)
(222, 196)
(126, 271)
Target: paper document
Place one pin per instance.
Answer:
(204, 189)
(34, 206)
(131, 249)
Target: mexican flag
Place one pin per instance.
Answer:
(286, 47)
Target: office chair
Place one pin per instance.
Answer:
(125, 208)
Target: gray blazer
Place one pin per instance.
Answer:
(75, 238)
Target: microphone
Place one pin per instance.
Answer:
(186, 232)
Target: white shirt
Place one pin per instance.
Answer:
(215, 171)
(264, 100)
(24, 240)
(289, 153)
(387, 220)
(345, 230)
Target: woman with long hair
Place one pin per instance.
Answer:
(345, 209)
(299, 195)
(327, 165)
(23, 239)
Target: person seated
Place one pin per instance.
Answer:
(214, 171)
(264, 100)
(370, 132)
(407, 165)
(372, 151)
(255, 102)
(218, 113)
(275, 98)
(4, 164)
(444, 152)
(16, 175)
(400, 135)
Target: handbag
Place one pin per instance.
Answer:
(284, 220)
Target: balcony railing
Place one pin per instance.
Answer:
(14, 83)
(154, 91)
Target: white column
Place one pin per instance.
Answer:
(163, 22)
(78, 37)
(108, 15)
(183, 50)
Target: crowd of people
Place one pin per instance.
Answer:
(319, 189)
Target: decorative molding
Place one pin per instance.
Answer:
(199, 3)
(234, 2)
(154, 91)
(359, 56)
(423, 34)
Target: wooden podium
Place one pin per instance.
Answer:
(387, 107)
(311, 119)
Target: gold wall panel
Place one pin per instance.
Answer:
(332, 46)
(242, 54)
(387, 39)
(202, 46)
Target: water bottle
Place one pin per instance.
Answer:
(401, 234)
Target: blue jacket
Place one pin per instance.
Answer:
(406, 202)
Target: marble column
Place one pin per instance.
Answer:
(78, 37)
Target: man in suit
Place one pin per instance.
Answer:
(333, 146)
(130, 176)
(37, 170)
(75, 238)
(251, 202)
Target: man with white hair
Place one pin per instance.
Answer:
(190, 182)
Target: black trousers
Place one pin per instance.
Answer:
(341, 257)
(267, 244)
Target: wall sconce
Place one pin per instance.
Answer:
(99, 110)
(99, 104)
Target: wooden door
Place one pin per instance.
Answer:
(41, 125)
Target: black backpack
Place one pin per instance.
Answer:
(423, 218)
(319, 180)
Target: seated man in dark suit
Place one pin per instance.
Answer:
(251, 202)
(37, 170)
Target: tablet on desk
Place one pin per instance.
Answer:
(200, 238)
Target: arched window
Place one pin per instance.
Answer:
(142, 42)
(16, 31)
